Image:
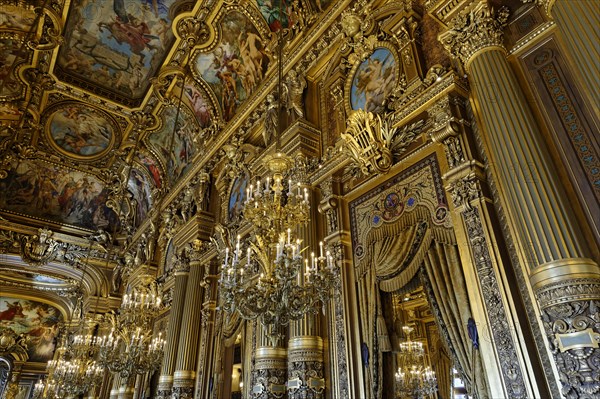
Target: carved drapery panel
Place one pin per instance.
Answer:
(416, 193)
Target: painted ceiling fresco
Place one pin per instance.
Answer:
(117, 45)
(80, 130)
(36, 320)
(96, 64)
(51, 192)
(236, 66)
(175, 144)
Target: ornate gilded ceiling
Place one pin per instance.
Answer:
(118, 117)
(75, 74)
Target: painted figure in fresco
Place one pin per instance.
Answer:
(374, 80)
(276, 12)
(252, 47)
(14, 310)
(150, 164)
(126, 28)
(198, 106)
(237, 197)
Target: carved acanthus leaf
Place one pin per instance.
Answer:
(470, 32)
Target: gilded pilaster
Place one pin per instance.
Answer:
(539, 216)
(165, 382)
(347, 379)
(578, 22)
(207, 347)
(473, 218)
(185, 369)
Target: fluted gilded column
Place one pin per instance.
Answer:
(185, 370)
(165, 382)
(550, 246)
(579, 24)
(306, 379)
(495, 305)
(206, 350)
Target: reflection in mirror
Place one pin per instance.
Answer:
(417, 361)
(234, 377)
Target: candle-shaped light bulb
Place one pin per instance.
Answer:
(268, 183)
(290, 187)
(289, 231)
(321, 248)
(248, 256)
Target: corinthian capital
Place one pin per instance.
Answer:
(477, 28)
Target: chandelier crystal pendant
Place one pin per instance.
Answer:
(413, 379)
(75, 371)
(130, 347)
(274, 278)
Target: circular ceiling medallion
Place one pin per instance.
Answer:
(80, 131)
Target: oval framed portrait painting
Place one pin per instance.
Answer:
(373, 80)
(80, 131)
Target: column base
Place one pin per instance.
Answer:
(305, 368)
(568, 292)
(183, 384)
(270, 373)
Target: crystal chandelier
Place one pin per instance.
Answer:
(413, 379)
(75, 371)
(278, 281)
(130, 347)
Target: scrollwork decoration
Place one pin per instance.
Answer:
(39, 249)
(373, 143)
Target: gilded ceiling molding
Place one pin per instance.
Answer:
(546, 5)
(51, 35)
(356, 23)
(38, 81)
(474, 30)
(39, 249)
(12, 345)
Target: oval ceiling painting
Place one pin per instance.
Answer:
(237, 65)
(373, 81)
(81, 131)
